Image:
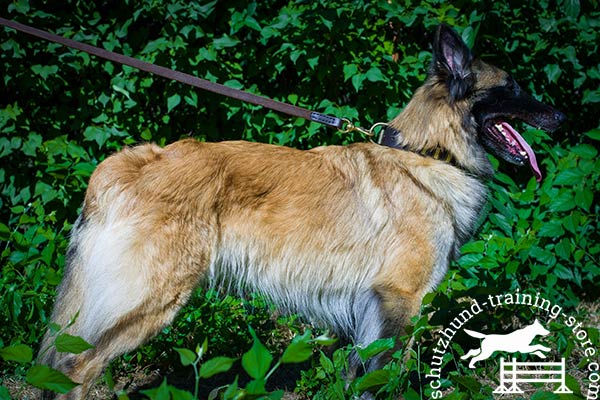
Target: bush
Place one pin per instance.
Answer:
(63, 111)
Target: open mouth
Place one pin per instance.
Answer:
(510, 145)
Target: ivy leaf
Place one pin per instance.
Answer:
(553, 72)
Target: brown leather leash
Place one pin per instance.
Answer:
(188, 79)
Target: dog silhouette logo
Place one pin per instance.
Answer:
(517, 341)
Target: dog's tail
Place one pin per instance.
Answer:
(475, 334)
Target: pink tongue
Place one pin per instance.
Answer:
(532, 161)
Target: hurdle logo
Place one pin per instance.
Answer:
(517, 341)
(513, 372)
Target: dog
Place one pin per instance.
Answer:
(517, 341)
(351, 237)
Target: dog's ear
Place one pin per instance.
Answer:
(452, 62)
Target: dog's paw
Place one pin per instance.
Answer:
(539, 354)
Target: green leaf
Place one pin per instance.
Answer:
(591, 96)
(257, 360)
(98, 134)
(234, 83)
(584, 199)
(179, 394)
(173, 102)
(569, 177)
(350, 70)
(551, 228)
(324, 340)
(357, 81)
(326, 363)
(411, 394)
(375, 348)
(215, 366)
(473, 247)
(44, 377)
(256, 387)
(187, 357)
(544, 256)
(4, 393)
(564, 201)
(66, 343)
(571, 8)
(468, 36)
(594, 134)
(374, 74)
(563, 272)
(30, 146)
(373, 380)
(21, 6)
(44, 70)
(467, 382)
(552, 72)
(543, 395)
(586, 151)
(299, 350)
(230, 393)
(501, 222)
(224, 42)
(160, 393)
(4, 232)
(18, 352)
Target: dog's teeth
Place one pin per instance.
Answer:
(501, 129)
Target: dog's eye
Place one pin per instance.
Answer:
(513, 86)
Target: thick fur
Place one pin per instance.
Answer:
(350, 237)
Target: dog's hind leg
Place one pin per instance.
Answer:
(130, 331)
(471, 353)
(70, 295)
(128, 279)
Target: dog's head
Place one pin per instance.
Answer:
(488, 98)
(539, 329)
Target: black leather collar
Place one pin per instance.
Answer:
(390, 137)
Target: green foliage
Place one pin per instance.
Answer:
(256, 363)
(42, 376)
(62, 112)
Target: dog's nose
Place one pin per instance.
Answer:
(559, 117)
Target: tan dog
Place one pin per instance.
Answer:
(350, 237)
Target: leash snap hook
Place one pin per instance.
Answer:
(348, 126)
